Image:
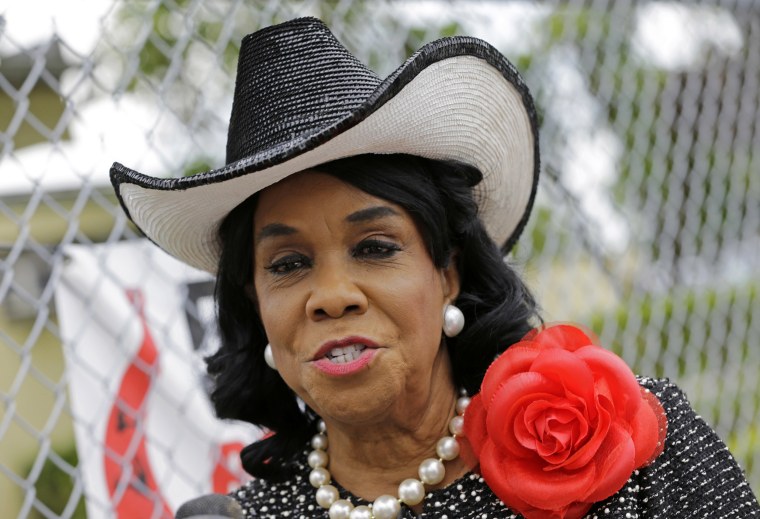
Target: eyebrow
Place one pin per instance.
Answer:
(371, 213)
(274, 230)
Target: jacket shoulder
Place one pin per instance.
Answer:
(696, 475)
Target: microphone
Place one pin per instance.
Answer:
(211, 506)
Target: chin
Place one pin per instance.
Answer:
(359, 405)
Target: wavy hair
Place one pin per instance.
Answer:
(497, 305)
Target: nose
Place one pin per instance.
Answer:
(334, 293)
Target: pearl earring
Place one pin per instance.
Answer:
(453, 321)
(268, 357)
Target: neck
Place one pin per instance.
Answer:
(372, 460)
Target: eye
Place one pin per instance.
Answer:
(289, 264)
(375, 249)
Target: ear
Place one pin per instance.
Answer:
(451, 280)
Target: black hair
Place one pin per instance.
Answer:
(497, 306)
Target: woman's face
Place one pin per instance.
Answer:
(350, 299)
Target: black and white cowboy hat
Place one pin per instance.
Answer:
(302, 99)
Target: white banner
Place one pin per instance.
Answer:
(136, 324)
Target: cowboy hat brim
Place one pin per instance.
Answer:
(455, 99)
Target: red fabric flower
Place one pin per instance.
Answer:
(561, 423)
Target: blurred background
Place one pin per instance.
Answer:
(646, 226)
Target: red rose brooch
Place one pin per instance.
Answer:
(561, 423)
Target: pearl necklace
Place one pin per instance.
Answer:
(410, 492)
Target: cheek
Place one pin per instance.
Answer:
(277, 315)
(281, 330)
(427, 309)
(416, 304)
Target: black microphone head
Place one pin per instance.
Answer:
(211, 506)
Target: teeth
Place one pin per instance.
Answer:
(346, 354)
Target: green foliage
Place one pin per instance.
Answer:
(541, 228)
(744, 444)
(160, 48)
(573, 23)
(197, 166)
(699, 329)
(524, 61)
(54, 486)
(698, 178)
(418, 36)
(569, 24)
(662, 321)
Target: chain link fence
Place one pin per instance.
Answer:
(646, 227)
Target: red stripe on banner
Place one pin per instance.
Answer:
(228, 472)
(129, 477)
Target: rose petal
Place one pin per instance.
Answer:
(585, 453)
(531, 334)
(516, 359)
(614, 379)
(493, 467)
(561, 423)
(467, 454)
(525, 433)
(614, 464)
(576, 510)
(648, 429)
(662, 421)
(567, 369)
(543, 413)
(475, 424)
(556, 427)
(568, 337)
(509, 401)
(518, 437)
(548, 489)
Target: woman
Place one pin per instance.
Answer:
(362, 292)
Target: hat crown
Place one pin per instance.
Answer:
(293, 80)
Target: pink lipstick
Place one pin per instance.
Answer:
(345, 356)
